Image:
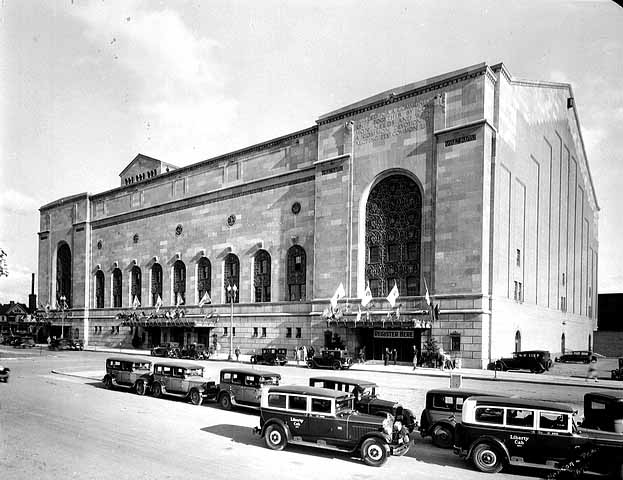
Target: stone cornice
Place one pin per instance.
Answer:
(475, 123)
(332, 159)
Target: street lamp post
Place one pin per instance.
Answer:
(231, 291)
(62, 299)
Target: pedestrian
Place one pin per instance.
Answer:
(297, 354)
(386, 356)
(415, 357)
(363, 354)
(442, 357)
(237, 352)
(311, 352)
(304, 353)
(360, 355)
(49, 340)
(394, 355)
(592, 370)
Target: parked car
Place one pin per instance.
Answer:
(496, 431)
(169, 350)
(5, 373)
(65, 344)
(25, 342)
(603, 411)
(617, 373)
(133, 372)
(442, 413)
(335, 359)
(243, 386)
(366, 399)
(537, 361)
(271, 356)
(576, 356)
(323, 418)
(182, 379)
(194, 351)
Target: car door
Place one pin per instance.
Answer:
(324, 426)
(555, 440)
(297, 417)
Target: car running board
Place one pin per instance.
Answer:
(320, 443)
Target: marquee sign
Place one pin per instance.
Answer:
(393, 333)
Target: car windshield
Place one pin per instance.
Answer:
(274, 380)
(367, 391)
(344, 405)
(194, 372)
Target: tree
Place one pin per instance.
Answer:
(4, 269)
(430, 353)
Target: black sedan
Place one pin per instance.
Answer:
(576, 356)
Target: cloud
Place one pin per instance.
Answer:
(12, 201)
(172, 72)
(17, 285)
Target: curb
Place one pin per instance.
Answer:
(56, 372)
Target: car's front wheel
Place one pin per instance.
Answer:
(374, 452)
(225, 401)
(253, 359)
(107, 382)
(336, 365)
(156, 390)
(310, 364)
(275, 437)
(486, 458)
(442, 436)
(195, 397)
(140, 388)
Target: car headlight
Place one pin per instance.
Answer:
(398, 425)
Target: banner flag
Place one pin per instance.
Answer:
(205, 299)
(393, 295)
(158, 303)
(339, 293)
(367, 296)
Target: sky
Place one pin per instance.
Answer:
(87, 85)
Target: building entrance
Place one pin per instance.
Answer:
(376, 340)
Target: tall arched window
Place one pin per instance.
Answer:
(261, 277)
(393, 236)
(179, 282)
(590, 342)
(204, 273)
(135, 289)
(116, 288)
(232, 275)
(99, 289)
(63, 274)
(518, 341)
(296, 275)
(156, 283)
(562, 343)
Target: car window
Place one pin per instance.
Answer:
(554, 421)
(520, 418)
(459, 403)
(251, 381)
(297, 402)
(597, 405)
(226, 377)
(344, 404)
(166, 370)
(269, 380)
(178, 371)
(490, 415)
(195, 372)
(277, 400)
(321, 405)
(141, 366)
(236, 379)
(442, 402)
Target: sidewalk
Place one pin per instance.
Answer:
(407, 369)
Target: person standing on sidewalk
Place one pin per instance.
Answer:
(394, 355)
(592, 370)
(415, 357)
(386, 356)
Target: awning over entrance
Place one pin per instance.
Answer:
(381, 321)
(169, 322)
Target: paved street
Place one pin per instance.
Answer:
(65, 425)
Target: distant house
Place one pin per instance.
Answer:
(15, 317)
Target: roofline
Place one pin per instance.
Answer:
(61, 201)
(524, 402)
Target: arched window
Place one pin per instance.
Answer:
(296, 276)
(135, 289)
(156, 283)
(232, 275)
(204, 273)
(562, 343)
(590, 342)
(99, 289)
(261, 277)
(393, 236)
(179, 282)
(518, 341)
(63, 274)
(116, 288)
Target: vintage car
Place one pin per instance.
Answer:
(366, 399)
(169, 350)
(25, 342)
(603, 411)
(335, 359)
(442, 413)
(537, 361)
(323, 418)
(132, 372)
(182, 379)
(65, 344)
(497, 431)
(5, 373)
(194, 351)
(576, 356)
(617, 373)
(271, 356)
(243, 386)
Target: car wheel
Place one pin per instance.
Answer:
(486, 458)
(253, 359)
(225, 401)
(107, 382)
(337, 365)
(275, 437)
(156, 390)
(374, 452)
(140, 388)
(443, 437)
(195, 397)
(310, 364)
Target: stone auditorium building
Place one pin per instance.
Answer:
(472, 185)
